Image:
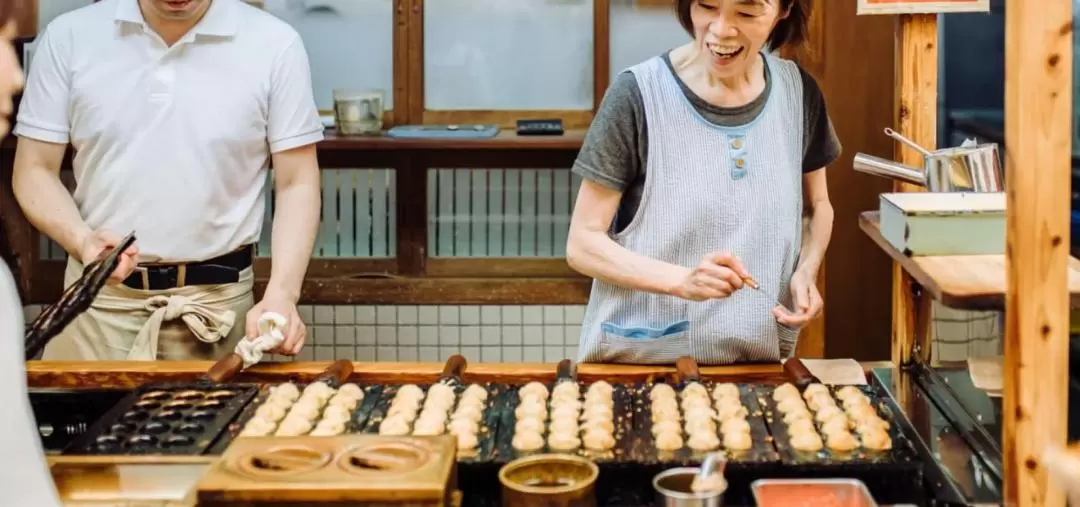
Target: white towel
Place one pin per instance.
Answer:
(270, 336)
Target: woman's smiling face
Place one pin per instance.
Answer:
(732, 32)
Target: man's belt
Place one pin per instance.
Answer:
(219, 270)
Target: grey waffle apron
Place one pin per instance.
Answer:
(708, 188)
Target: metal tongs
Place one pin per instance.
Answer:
(75, 300)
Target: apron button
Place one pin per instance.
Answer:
(737, 144)
(739, 162)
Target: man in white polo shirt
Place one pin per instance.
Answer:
(174, 109)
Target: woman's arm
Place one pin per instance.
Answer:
(819, 210)
(592, 252)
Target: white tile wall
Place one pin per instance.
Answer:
(431, 333)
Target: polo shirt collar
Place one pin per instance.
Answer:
(219, 20)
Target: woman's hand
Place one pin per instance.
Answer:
(717, 276)
(807, 302)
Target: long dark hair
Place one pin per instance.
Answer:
(8, 10)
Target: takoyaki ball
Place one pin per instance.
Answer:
(668, 441)
(693, 389)
(791, 404)
(531, 407)
(404, 412)
(785, 390)
(564, 412)
(602, 424)
(725, 412)
(597, 411)
(841, 441)
(808, 441)
(344, 401)
(466, 440)
(699, 413)
(428, 427)
(725, 390)
(800, 426)
(258, 427)
(876, 440)
(563, 441)
(695, 401)
(870, 424)
(271, 412)
(396, 426)
(336, 413)
(819, 402)
(835, 425)
(661, 391)
(700, 426)
(306, 408)
(474, 403)
(527, 441)
(458, 425)
(666, 427)
(351, 390)
(665, 413)
(527, 425)
(738, 441)
(564, 425)
(703, 441)
(534, 389)
(735, 425)
(828, 412)
(860, 412)
(287, 391)
(293, 426)
(796, 415)
(475, 391)
(328, 428)
(815, 389)
(410, 391)
(470, 413)
(566, 390)
(597, 439)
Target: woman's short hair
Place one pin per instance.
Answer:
(789, 31)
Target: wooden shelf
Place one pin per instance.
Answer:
(965, 282)
(506, 139)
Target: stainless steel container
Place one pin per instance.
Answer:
(673, 489)
(961, 169)
(549, 480)
(782, 492)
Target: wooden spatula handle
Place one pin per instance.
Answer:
(797, 373)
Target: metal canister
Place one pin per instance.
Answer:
(673, 490)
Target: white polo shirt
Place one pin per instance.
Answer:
(173, 143)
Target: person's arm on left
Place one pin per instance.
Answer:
(293, 128)
(821, 148)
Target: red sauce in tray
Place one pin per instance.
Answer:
(809, 495)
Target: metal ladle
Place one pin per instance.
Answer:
(911, 144)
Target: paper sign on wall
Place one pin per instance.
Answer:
(921, 6)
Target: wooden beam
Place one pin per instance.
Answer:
(601, 50)
(1038, 133)
(916, 118)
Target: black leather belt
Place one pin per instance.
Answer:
(219, 270)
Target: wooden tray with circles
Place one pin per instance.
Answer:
(343, 470)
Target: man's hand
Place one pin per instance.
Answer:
(807, 301)
(295, 331)
(95, 243)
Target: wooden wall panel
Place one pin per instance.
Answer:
(857, 79)
(26, 17)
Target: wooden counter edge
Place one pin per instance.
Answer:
(129, 374)
(869, 223)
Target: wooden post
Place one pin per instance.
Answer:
(1038, 136)
(916, 118)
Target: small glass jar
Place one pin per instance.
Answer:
(358, 112)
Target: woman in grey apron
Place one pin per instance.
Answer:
(697, 173)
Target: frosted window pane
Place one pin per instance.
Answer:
(638, 34)
(503, 54)
(350, 43)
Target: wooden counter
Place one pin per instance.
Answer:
(965, 282)
(129, 374)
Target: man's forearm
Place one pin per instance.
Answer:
(296, 223)
(48, 205)
(817, 242)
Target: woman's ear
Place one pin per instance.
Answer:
(786, 11)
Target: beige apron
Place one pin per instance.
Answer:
(192, 322)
